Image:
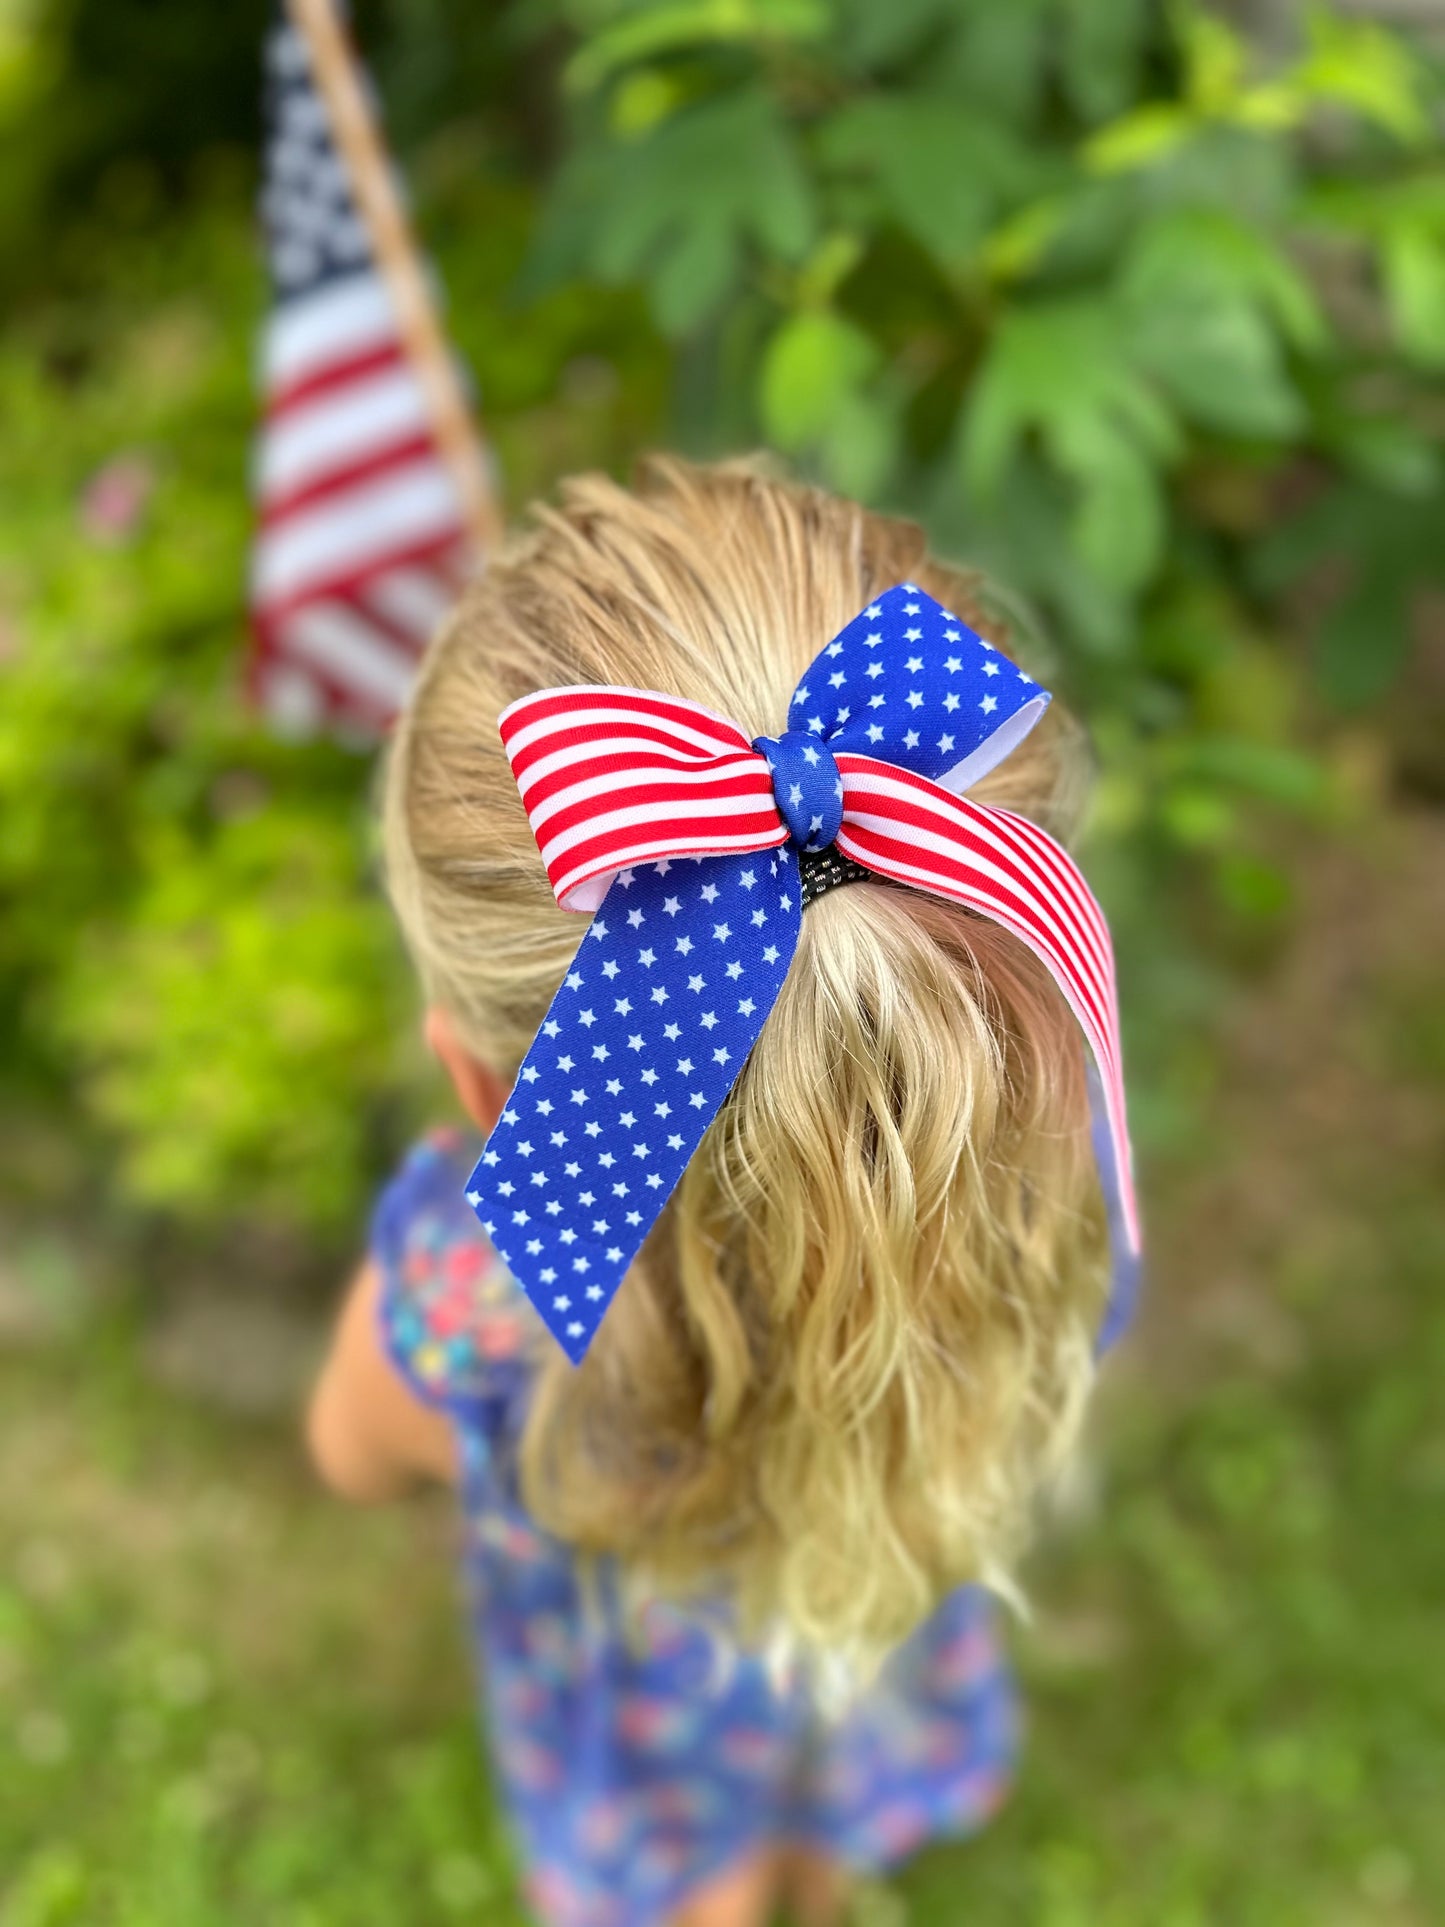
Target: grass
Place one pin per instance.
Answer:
(225, 1700)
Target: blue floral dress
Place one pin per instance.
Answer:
(638, 1766)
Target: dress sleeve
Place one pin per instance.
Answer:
(453, 1323)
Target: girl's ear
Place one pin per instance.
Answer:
(481, 1092)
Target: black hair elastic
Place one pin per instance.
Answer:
(825, 870)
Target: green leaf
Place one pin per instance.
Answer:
(860, 450)
(1062, 372)
(1389, 549)
(940, 173)
(1252, 887)
(1018, 245)
(1103, 44)
(1223, 368)
(1413, 260)
(679, 208)
(1363, 642)
(1373, 206)
(649, 32)
(1203, 296)
(874, 36)
(814, 364)
(692, 277)
(997, 59)
(1379, 449)
(1139, 138)
(1361, 64)
(1214, 60)
(1061, 369)
(1119, 528)
(1021, 536)
(1270, 770)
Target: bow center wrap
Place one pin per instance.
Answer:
(806, 786)
(686, 839)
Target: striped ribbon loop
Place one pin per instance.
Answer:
(685, 836)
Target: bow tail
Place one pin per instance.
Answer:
(907, 828)
(640, 1046)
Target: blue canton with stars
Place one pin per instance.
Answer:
(684, 961)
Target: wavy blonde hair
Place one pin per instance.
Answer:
(861, 1334)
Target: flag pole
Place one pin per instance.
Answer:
(374, 184)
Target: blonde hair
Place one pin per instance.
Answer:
(861, 1334)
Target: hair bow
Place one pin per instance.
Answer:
(686, 838)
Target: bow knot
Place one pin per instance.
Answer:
(686, 839)
(806, 786)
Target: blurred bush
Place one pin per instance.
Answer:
(1148, 323)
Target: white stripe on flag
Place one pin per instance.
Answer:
(408, 505)
(342, 319)
(413, 599)
(339, 427)
(337, 640)
(293, 699)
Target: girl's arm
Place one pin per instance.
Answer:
(370, 1439)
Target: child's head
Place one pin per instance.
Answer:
(862, 1331)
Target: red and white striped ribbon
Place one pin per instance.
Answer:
(612, 777)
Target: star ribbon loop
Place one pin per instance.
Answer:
(685, 837)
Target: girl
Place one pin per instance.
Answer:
(729, 1571)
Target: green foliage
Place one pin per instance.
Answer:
(272, 973)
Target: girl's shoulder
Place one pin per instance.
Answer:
(454, 1323)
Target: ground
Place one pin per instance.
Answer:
(224, 1699)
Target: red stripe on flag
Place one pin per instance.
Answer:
(352, 581)
(330, 376)
(337, 481)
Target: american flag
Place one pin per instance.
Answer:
(362, 542)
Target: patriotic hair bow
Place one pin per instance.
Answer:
(686, 838)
